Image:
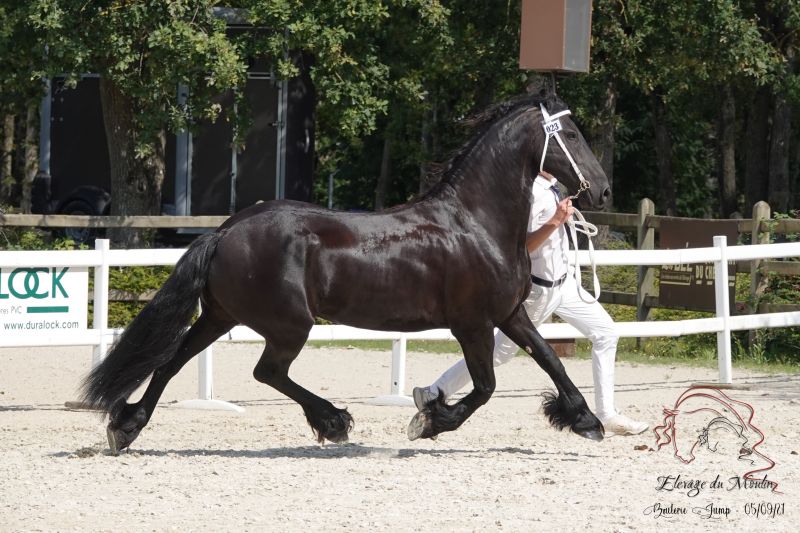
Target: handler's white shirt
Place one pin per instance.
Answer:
(550, 260)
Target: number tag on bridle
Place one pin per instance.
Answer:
(552, 127)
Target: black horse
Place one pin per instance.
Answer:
(454, 258)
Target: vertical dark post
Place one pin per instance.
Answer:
(726, 139)
(758, 282)
(645, 279)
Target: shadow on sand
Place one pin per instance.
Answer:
(333, 451)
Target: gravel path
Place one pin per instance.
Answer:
(260, 470)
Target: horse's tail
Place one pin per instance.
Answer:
(153, 338)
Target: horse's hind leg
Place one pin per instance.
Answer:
(438, 416)
(569, 407)
(126, 423)
(326, 421)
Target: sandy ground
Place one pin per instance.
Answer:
(505, 469)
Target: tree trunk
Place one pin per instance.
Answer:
(726, 140)
(385, 175)
(602, 142)
(6, 167)
(31, 156)
(666, 177)
(778, 197)
(756, 150)
(603, 136)
(778, 190)
(429, 146)
(135, 181)
(794, 178)
(425, 150)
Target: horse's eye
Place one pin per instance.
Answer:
(572, 136)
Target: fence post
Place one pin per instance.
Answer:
(205, 384)
(396, 394)
(100, 310)
(758, 282)
(645, 277)
(723, 309)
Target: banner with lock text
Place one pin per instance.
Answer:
(40, 300)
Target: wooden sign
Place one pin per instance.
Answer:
(691, 286)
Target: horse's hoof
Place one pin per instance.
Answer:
(416, 426)
(112, 441)
(119, 439)
(420, 428)
(591, 434)
(337, 437)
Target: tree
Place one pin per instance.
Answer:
(142, 50)
(369, 59)
(19, 99)
(780, 23)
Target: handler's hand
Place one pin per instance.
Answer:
(564, 210)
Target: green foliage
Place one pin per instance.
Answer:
(34, 239)
(617, 278)
(409, 70)
(136, 281)
(19, 47)
(363, 53)
(146, 49)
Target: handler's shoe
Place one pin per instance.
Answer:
(622, 425)
(423, 396)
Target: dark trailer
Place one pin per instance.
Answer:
(205, 174)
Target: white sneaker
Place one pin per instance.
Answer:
(622, 425)
(423, 396)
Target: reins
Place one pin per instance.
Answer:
(578, 224)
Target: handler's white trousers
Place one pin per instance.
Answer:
(588, 318)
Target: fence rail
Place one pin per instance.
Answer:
(760, 226)
(86, 221)
(629, 221)
(102, 258)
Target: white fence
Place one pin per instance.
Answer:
(103, 258)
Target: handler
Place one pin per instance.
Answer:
(554, 290)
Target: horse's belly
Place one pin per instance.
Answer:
(399, 310)
(405, 300)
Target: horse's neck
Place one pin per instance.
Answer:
(496, 189)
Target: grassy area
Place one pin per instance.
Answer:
(655, 351)
(411, 346)
(703, 357)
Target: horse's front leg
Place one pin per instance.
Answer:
(569, 407)
(439, 416)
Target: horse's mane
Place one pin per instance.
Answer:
(480, 123)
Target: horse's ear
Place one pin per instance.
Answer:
(537, 85)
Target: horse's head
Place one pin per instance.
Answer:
(510, 137)
(562, 140)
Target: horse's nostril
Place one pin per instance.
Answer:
(607, 193)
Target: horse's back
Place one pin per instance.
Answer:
(383, 270)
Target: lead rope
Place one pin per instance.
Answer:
(578, 224)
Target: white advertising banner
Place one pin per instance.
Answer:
(43, 299)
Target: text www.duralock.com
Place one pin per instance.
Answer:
(39, 325)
